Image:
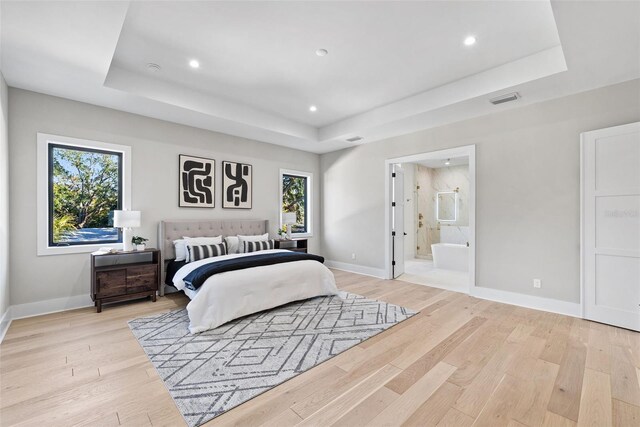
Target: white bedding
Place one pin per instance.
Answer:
(227, 296)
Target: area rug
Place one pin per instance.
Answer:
(209, 373)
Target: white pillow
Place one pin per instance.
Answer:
(204, 240)
(199, 241)
(180, 247)
(260, 238)
(233, 243)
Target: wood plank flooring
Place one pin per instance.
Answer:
(461, 362)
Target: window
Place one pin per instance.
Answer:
(295, 197)
(80, 184)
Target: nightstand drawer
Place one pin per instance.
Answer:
(142, 278)
(109, 283)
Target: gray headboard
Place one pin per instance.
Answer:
(168, 231)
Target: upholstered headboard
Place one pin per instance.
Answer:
(174, 230)
(168, 231)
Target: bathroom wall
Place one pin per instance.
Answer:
(430, 181)
(410, 209)
(449, 179)
(428, 233)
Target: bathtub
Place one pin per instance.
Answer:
(450, 256)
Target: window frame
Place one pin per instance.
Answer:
(51, 146)
(309, 201)
(45, 141)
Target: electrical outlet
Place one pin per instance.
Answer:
(353, 255)
(537, 283)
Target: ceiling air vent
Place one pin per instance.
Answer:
(154, 68)
(355, 139)
(505, 98)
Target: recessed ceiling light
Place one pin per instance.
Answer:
(322, 52)
(470, 41)
(313, 108)
(448, 162)
(194, 63)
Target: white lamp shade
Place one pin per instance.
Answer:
(126, 219)
(289, 218)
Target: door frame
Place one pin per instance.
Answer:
(467, 150)
(393, 231)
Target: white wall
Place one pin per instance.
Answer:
(527, 179)
(155, 148)
(4, 199)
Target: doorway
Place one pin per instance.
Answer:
(430, 218)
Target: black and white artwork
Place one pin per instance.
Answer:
(236, 185)
(197, 182)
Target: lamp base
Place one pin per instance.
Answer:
(127, 246)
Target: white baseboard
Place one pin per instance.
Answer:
(38, 308)
(522, 300)
(354, 268)
(529, 301)
(5, 322)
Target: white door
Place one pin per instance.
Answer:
(611, 225)
(397, 232)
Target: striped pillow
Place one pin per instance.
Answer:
(259, 246)
(198, 252)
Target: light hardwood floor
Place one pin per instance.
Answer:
(462, 361)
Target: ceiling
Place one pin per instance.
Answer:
(391, 68)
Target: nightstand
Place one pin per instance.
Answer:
(295, 245)
(122, 276)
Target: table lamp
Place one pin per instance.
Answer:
(126, 220)
(289, 218)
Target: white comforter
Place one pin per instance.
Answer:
(227, 296)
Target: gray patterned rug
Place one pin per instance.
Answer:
(209, 373)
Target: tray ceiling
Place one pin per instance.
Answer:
(391, 67)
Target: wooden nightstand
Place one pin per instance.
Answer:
(295, 245)
(123, 276)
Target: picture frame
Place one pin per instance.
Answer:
(196, 186)
(237, 185)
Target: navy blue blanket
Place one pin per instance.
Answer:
(197, 277)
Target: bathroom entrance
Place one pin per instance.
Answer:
(431, 219)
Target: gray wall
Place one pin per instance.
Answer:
(155, 148)
(528, 189)
(4, 197)
(527, 186)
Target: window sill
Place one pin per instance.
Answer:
(77, 249)
(301, 235)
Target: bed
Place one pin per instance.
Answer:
(232, 294)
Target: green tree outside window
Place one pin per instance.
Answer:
(294, 199)
(84, 190)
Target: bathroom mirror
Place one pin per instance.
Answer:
(447, 206)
